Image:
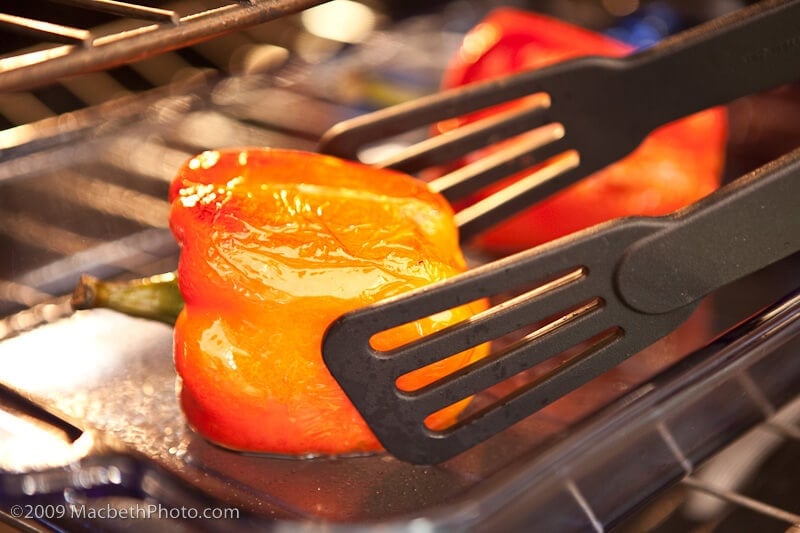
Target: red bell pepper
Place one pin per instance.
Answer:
(675, 166)
(276, 245)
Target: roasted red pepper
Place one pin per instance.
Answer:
(275, 246)
(676, 165)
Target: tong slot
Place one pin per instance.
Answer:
(574, 328)
(459, 142)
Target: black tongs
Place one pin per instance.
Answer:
(610, 290)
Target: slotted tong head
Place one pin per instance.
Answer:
(610, 290)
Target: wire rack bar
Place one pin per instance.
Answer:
(48, 31)
(787, 430)
(733, 467)
(126, 9)
(743, 501)
(584, 505)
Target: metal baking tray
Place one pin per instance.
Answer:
(107, 385)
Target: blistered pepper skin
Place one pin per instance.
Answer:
(276, 245)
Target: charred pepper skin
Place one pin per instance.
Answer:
(276, 245)
(676, 165)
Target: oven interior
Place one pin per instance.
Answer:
(98, 109)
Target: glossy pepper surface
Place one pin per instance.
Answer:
(276, 245)
(676, 165)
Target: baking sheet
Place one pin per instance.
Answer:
(111, 376)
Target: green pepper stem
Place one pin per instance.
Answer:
(155, 298)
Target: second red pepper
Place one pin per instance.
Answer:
(675, 166)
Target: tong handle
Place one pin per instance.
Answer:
(744, 227)
(751, 50)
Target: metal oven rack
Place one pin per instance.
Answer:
(135, 31)
(83, 191)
